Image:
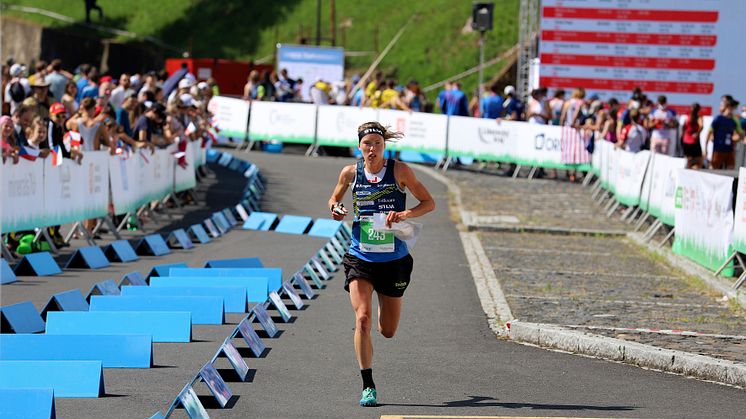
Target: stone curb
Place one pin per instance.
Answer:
(496, 308)
(679, 362)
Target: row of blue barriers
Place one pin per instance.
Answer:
(115, 325)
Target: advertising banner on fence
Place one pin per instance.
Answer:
(75, 192)
(739, 223)
(156, 176)
(22, 189)
(184, 176)
(630, 171)
(663, 187)
(483, 139)
(284, 122)
(423, 132)
(549, 146)
(704, 218)
(231, 116)
(337, 125)
(123, 177)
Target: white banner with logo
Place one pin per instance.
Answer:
(663, 187)
(283, 122)
(423, 132)
(704, 218)
(480, 138)
(337, 125)
(74, 192)
(184, 176)
(230, 115)
(739, 225)
(22, 191)
(630, 171)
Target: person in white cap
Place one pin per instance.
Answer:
(18, 88)
(512, 106)
(183, 88)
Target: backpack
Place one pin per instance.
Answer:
(17, 92)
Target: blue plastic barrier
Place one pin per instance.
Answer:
(107, 287)
(199, 233)
(211, 228)
(152, 245)
(66, 378)
(132, 278)
(242, 213)
(212, 155)
(260, 221)
(114, 351)
(20, 318)
(65, 301)
(89, 257)
(120, 251)
(6, 274)
(228, 214)
(27, 403)
(234, 298)
(163, 269)
(204, 310)
(179, 238)
(325, 227)
(221, 222)
(234, 263)
(273, 275)
(256, 288)
(294, 224)
(164, 326)
(37, 264)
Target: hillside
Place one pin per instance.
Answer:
(432, 48)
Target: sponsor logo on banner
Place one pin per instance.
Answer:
(543, 142)
(490, 135)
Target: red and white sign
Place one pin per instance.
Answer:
(684, 49)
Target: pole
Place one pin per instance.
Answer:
(318, 22)
(481, 62)
(334, 23)
(380, 57)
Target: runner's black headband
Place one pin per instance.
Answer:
(371, 130)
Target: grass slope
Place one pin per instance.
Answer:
(432, 48)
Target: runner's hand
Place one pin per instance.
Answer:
(338, 211)
(395, 217)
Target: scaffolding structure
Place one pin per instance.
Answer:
(528, 41)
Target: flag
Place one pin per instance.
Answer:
(573, 145)
(57, 156)
(28, 153)
(214, 124)
(190, 129)
(178, 154)
(72, 139)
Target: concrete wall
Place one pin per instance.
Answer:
(27, 42)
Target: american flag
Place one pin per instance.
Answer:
(574, 142)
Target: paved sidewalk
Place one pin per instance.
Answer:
(601, 284)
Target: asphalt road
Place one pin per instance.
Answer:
(444, 360)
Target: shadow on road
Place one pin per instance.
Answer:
(481, 401)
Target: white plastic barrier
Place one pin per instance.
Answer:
(231, 116)
(184, 177)
(337, 125)
(660, 199)
(704, 218)
(284, 122)
(739, 223)
(630, 170)
(22, 191)
(75, 192)
(480, 138)
(423, 132)
(124, 175)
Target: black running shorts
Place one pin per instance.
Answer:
(388, 278)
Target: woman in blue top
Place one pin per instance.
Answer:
(376, 261)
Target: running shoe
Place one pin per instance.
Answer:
(368, 397)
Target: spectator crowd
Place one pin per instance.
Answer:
(66, 114)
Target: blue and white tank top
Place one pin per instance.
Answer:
(368, 198)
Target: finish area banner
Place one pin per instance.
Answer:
(683, 49)
(704, 218)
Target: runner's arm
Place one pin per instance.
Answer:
(406, 178)
(345, 179)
